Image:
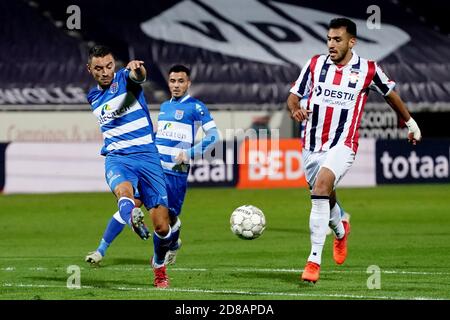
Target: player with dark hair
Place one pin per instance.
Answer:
(132, 167)
(178, 122)
(337, 85)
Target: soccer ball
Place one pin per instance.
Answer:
(247, 222)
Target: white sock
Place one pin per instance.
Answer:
(336, 222)
(318, 225)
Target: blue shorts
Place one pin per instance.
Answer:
(176, 190)
(143, 171)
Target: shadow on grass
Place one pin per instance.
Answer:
(127, 262)
(285, 281)
(110, 284)
(289, 230)
(290, 277)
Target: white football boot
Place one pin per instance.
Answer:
(171, 255)
(94, 257)
(346, 217)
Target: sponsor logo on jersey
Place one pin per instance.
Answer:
(169, 132)
(334, 97)
(105, 108)
(318, 90)
(105, 117)
(338, 94)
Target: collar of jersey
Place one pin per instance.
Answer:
(181, 99)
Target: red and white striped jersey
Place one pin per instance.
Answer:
(336, 96)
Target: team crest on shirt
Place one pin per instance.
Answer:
(114, 87)
(179, 114)
(354, 77)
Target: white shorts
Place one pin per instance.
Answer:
(338, 159)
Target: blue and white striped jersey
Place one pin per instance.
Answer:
(123, 116)
(178, 123)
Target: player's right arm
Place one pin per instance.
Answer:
(301, 87)
(137, 71)
(297, 112)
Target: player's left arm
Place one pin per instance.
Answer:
(396, 103)
(137, 71)
(385, 86)
(211, 135)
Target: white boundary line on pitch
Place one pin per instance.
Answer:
(238, 292)
(342, 271)
(277, 270)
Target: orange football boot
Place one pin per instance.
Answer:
(340, 245)
(311, 272)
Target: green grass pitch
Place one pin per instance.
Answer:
(403, 230)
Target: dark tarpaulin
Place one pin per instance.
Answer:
(39, 54)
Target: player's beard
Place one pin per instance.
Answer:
(341, 56)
